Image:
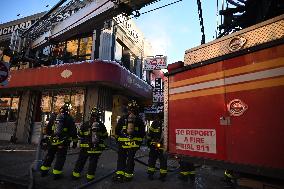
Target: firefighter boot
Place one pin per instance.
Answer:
(118, 177)
(128, 177)
(75, 175)
(90, 177)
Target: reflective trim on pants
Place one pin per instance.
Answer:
(90, 176)
(75, 174)
(94, 152)
(185, 173)
(128, 175)
(44, 168)
(56, 172)
(119, 172)
(163, 171)
(229, 175)
(151, 169)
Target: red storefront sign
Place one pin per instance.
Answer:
(76, 74)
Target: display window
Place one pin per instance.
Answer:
(9, 109)
(53, 100)
(85, 46)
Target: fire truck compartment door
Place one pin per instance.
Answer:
(196, 104)
(254, 91)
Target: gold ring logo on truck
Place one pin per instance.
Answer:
(237, 43)
(236, 107)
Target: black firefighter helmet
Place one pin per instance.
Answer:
(96, 112)
(66, 108)
(132, 106)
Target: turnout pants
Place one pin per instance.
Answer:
(60, 151)
(186, 169)
(125, 161)
(154, 154)
(81, 161)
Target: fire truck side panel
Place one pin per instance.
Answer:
(236, 104)
(256, 136)
(188, 120)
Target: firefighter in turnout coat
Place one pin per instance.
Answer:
(130, 131)
(59, 135)
(92, 135)
(155, 143)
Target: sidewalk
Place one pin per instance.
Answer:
(16, 160)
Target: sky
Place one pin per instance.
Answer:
(171, 30)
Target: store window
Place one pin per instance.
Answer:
(85, 47)
(118, 51)
(72, 47)
(53, 100)
(9, 109)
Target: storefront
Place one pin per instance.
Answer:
(72, 74)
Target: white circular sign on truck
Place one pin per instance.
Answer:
(236, 107)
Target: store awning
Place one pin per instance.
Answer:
(82, 73)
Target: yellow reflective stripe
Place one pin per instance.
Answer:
(44, 168)
(227, 174)
(163, 171)
(75, 174)
(90, 176)
(128, 175)
(56, 143)
(124, 127)
(94, 152)
(86, 133)
(123, 139)
(84, 145)
(56, 172)
(119, 172)
(151, 169)
(126, 146)
(185, 173)
(192, 172)
(65, 129)
(154, 130)
(102, 145)
(138, 139)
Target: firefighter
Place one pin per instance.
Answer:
(92, 135)
(155, 143)
(129, 132)
(59, 136)
(187, 170)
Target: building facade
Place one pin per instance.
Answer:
(102, 66)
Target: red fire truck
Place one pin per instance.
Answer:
(224, 105)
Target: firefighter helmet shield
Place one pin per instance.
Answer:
(132, 106)
(96, 112)
(66, 108)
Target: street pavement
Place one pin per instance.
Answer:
(16, 160)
